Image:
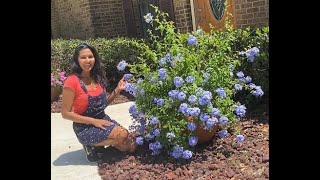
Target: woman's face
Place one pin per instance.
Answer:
(86, 59)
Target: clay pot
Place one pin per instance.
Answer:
(203, 135)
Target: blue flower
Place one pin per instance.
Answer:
(186, 154)
(248, 79)
(192, 40)
(170, 135)
(133, 109)
(221, 93)
(127, 76)
(191, 126)
(156, 132)
(211, 122)
(139, 140)
(178, 81)
(162, 73)
(257, 91)
(173, 94)
(205, 98)
(190, 79)
(160, 102)
(122, 65)
(238, 87)
(206, 75)
(177, 151)
(153, 120)
(223, 120)
(215, 112)
(155, 146)
(148, 17)
(183, 108)
(240, 110)
(199, 32)
(204, 117)
(251, 53)
(149, 137)
(193, 140)
(193, 111)
(240, 138)
(240, 74)
(192, 99)
(223, 133)
(162, 62)
(181, 96)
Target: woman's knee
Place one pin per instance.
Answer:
(123, 135)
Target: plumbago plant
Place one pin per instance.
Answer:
(184, 84)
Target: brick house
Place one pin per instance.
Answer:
(83, 19)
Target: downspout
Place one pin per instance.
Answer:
(192, 16)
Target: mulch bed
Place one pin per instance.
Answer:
(218, 159)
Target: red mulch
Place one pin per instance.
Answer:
(218, 159)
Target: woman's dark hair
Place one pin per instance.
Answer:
(97, 72)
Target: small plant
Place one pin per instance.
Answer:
(184, 84)
(57, 79)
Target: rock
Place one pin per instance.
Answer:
(230, 173)
(136, 177)
(265, 158)
(208, 162)
(171, 175)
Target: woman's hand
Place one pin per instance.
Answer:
(121, 85)
(101, 123)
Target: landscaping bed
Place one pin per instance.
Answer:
(217, 159)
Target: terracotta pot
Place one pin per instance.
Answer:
(55, 94)
(203, 135)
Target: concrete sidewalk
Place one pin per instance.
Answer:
(68, 159)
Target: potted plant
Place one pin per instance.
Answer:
(184, 86)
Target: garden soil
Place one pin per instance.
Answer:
(217, 159)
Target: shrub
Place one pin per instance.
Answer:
(57, 79)
(184, 83)
(111, 52)
(258, 69)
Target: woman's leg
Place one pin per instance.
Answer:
(120, 139)
(129, 145)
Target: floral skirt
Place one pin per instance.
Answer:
(88, 134)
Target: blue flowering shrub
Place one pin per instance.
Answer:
(253, 47)
(184, 83)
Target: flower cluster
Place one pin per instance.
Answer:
(57, 78)
(189, 88)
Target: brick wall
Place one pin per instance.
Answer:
(55, 26)
(183, 20)
(74, 19)
(85, 19)
(108, 18)
(254, 13)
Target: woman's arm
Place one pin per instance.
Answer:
(121, 86)
(66, 110)
(112, 95)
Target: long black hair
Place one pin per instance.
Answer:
(97, 73)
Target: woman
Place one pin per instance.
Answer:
(84, 100)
